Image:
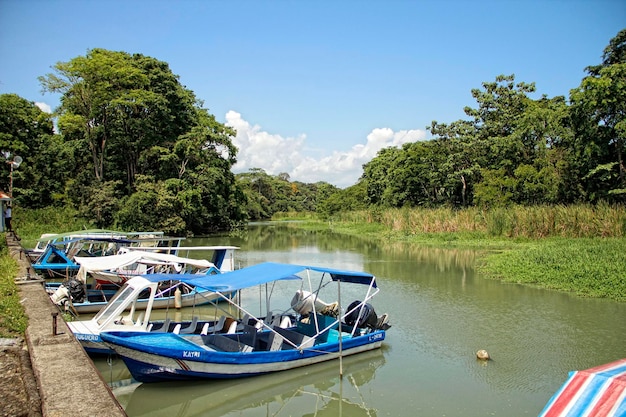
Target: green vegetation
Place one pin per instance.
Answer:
(32, 223)
(532, 222)
(579, 249)
(13, 321)
(135, 149)
(587, 267)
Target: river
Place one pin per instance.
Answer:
(441, 311)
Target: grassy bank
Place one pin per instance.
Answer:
(31, 224)
(13, 321)
(589, 267)
(579, 249)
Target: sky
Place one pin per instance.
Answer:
(315, 89)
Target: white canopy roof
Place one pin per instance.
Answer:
(112, 262)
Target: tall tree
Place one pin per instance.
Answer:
(599, 121)
(120, 105)
(27, 132)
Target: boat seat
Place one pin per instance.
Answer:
(165, 327)
(176, 329)
(226, 344)
(192, 327)
(266, 321)
(207, 328)
(300, 340)
(244, 322)
(232, 327)
(285, 322)
(248, 335)
(275, 320)
(275, 342)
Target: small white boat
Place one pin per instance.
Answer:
(130, 310)
(319, 332)
(75, 296)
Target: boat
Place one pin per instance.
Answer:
(57, 260)
(308, 332)
(131, 307)
(148, 238)
(107, 274)
(598, 391)
(131, 262)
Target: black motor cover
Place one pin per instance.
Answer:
(366, 318)
(77, 290)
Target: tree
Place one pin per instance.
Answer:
(26, 131)
(599, 122)
(120, 105)
(463, 158)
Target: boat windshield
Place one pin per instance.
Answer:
(120, 298)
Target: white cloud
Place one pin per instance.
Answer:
(276, 154)
(44, 107)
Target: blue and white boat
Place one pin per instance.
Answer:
(308, 332)
(130, 310)
(58, 258)
(98, 278)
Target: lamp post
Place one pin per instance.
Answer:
(17, 160)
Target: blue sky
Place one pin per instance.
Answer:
(316, 88)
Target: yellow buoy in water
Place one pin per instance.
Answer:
(178, 298)
(483, 355)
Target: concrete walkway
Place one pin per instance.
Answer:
(67, 380)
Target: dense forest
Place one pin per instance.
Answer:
(130, 147)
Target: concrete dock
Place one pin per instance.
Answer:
(67, 381)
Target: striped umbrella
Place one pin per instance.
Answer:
(595, 392)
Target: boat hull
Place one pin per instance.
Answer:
(167, 357)
(187, 300)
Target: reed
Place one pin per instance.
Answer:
(535, 222)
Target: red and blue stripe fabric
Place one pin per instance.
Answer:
(595, 392)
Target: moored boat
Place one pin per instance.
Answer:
(58, 258)
(319, 331)
(131, 307)
(78, 296)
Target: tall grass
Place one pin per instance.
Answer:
(602, 220)
(13, 321)
(31, 224)
(580, 249)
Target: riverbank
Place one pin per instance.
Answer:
(586, 266)
(46, 372)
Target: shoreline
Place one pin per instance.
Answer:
(58, 377)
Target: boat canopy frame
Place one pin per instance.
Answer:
(270, 273)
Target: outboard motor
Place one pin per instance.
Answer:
(365, 316)
(304, 302)
(60, 296)
(77, 290)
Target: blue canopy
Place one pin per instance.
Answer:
(260, 274)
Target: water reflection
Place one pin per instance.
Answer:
(317, 389)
